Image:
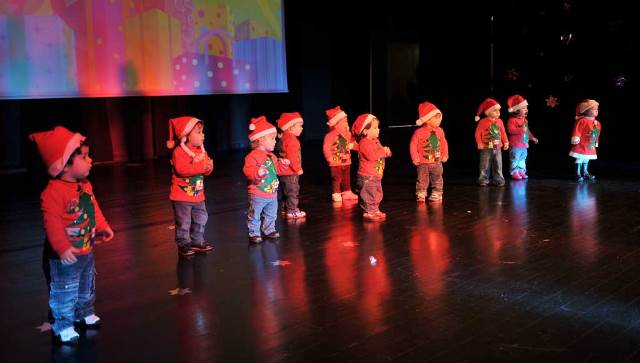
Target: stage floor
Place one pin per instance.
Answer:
(539, 270)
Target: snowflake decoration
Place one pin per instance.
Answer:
(552, 102)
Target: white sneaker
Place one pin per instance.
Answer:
(69, 335)
(337, 197)
(91, 319)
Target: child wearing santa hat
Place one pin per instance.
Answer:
(490, 138)
(291, 125)
(519, 136)
(261, 168)
(72, 217)
(337, 146)
(371, 168)
(429, 149)
(585, 136)
(190, 164)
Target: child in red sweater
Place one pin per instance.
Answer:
(429, 149)
(490, 138)
(585, 137)
(519, 136)
(337, 146)
(190, 164)
(72, 217)
(372, 155)
(261, 168)
(291, 126)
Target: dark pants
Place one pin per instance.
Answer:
(341, 178)
(72, 291)
(291, 190)
(429, 174)
(190, 221)
(370, 192)
(491, 165)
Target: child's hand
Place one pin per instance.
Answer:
(416, 162)
(596, 144)
(444, 160)
(480, 146)
(535, 141)
(68, 257)
(387, 150)
(285, 161)
(107, 235)
(300, 172)
(350, 146)
(506, 146)
(209, 165)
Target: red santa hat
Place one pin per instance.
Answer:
(180, 127)
(259, 127)
(584, 106)
(361, 122)
(334, 115)
(516, 102)
(426, 111)
(486, 106)
(56, 147)
(288, 119)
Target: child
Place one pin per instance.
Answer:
(586, 133)
(260, 168)
(429, 149)
(190, 164)
(519, 136)
(291, 126)
(71, 219)
(490, 137)
(372, 155)
(337, 147)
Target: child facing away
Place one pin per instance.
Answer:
(291, 125)
(261, 168)
(71, 217)
(337, 146)
(519, 136)
(429, 149)
(190, 164)
(371, 169)
(585, 137)
(490, 138)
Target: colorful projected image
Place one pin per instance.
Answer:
(107, 48)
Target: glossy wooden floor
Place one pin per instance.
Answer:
(543, 270)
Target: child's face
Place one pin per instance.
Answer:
(494, 113)
(592, 112)
(523, 112)
(435, 120)
(373, 132)
(268, 142)
(342, 125)
(196, 136)
(296, 129)
(81, 165)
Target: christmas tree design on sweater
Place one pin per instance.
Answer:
(269, 179)
(380, 166)
(82, 230)
(194, 187)
(525, 136)
(432, 147)
(341, 153)
(593, 137)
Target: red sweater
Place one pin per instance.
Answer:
(519, 133)
(490, 133)
(187, 182)
(335, 148)
(291, 151)
(586, 132)
(428, 145)
(372, 155)
(266, 163)
(71, 216)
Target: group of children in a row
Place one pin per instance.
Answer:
(73, 219)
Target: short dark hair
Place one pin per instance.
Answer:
(75, 152)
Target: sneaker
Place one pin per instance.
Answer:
(483, 183)
(68, 336)
(348, 195)
(201, 248)
(589, 176)
(297, 214)
(374, 216)
(435, 197)
(381, 215)
(255, 239)
(516, 175)
(337, 197)
(580, 179)
(273, 235)
(524, 175)
(88, 322)
(420, 198)
(185, 251)
(499, 183)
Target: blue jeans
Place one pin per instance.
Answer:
(429, 174)
(72, 293)
(518, 157)
(491, 165)
(190, 221)
(262, 213)
(370, 192)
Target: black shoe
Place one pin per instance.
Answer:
(185, 251)
(273, 235)
(203, 248)
(255, 239)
